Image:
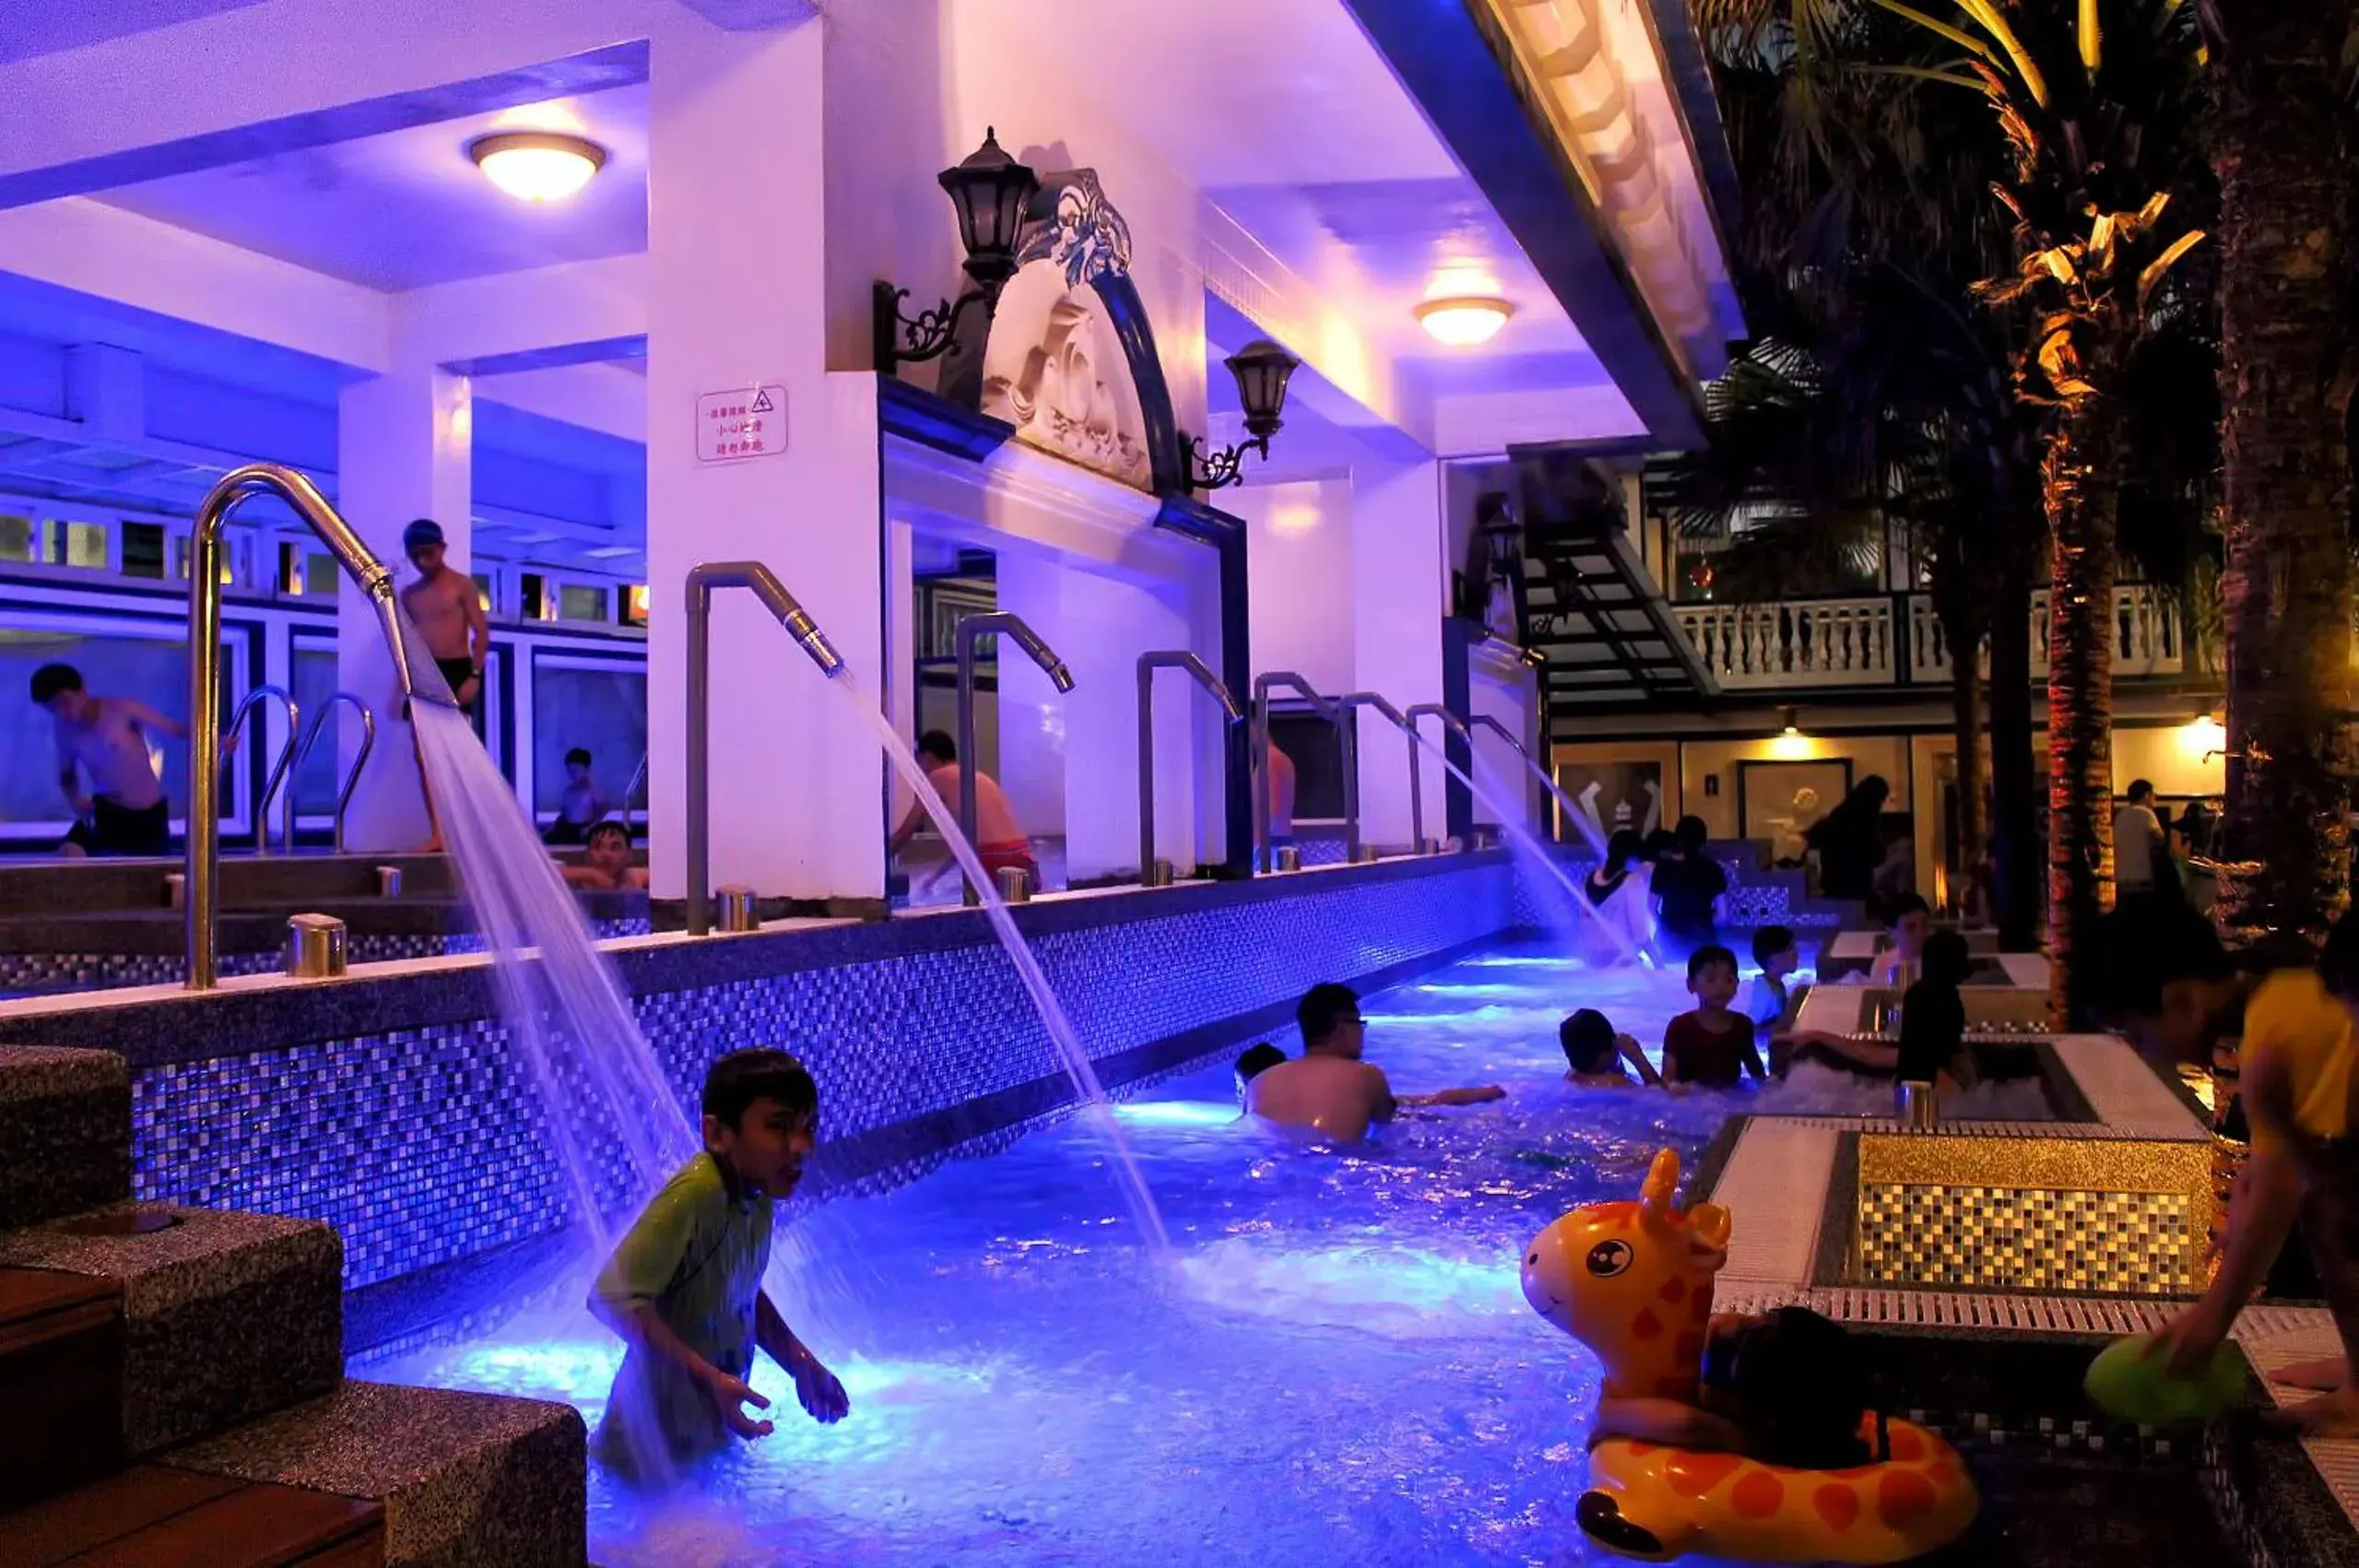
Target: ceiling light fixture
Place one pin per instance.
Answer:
(1464, 321)
(537, 165)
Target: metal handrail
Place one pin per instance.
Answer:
(1202, 674)
(204, 839)
(763, 583)
(970, 631)
(278, 770)
(1416, 781)
(1333, 715)
(359, 757)
(638, 777)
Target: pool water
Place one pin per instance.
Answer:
(1335, 1363)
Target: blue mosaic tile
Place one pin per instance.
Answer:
(429, 1145)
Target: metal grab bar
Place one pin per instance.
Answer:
(1333, 715)
(763, 583)
(1202, 674)
(1416, 782)
(203, 840)
(359, 757)
(970, 631)
(278, 770)
(1450, 721)
(638, 777)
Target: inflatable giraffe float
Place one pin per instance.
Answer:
(1634, 1281)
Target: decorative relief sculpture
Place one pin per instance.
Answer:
(1074, 226)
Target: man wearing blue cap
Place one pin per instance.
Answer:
(448, 613)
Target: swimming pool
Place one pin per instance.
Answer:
(1335, 1363)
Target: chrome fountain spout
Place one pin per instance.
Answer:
(1334, 714)
(279, 769)
(1201, 673)
(366, 570)
(1450, 722)
(971, 631)
(1400, 722)
(763, 583)
(352, 775)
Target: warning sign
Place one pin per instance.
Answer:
(745, 421)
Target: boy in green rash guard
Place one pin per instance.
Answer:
(684, 1289)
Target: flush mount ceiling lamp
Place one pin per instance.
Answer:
(537, 165)
(1463, 320)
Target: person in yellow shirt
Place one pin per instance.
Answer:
(2163, 979)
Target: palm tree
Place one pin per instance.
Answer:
(2281, 148)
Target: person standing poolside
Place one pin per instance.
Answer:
(2139, 851)
(2157, 972)
(683, 1287)
(998, 841)
(106, 738)
(448, 612)
(1328, 1088)
(1687, 888)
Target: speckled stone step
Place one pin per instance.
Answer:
(225, 1316)
(64, 1132)
(467, 1480)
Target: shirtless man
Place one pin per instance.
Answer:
(1328, 1088)
(125, 812)
(999, 841)
(448, 613)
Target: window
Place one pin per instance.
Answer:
(320, 574)
(230, 549)
(16, 537)
(483, 590)
(576, 602)
(143, 550)
(634, 604)
(68, 543)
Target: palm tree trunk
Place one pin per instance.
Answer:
(2282, 163)
(1963, 636)
(2014, 802)
(2079, 485)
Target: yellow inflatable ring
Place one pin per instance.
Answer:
(1655, 1503)
(1634, 1281)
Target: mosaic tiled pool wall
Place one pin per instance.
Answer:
(1755, 898)
(427, 1145)
(24, 973)
(2122, 1217)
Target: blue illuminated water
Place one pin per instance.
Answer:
(1336, 1366)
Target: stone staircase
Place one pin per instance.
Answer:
(171, 1383)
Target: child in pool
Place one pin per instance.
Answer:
(1251, 1063)
(1934, 1020)
(605, 865)
(1912, 922)
(1786, 1387)
(1595, 1053)
(1712, 1046)
(1775, 950)
(683, 1288)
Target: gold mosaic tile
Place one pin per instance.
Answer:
(2135, 1165)
(2014, 1237)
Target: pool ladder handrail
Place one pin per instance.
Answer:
(1202, 674)
(279, 770)
(1401, 722)
(203, 863)
(360, 758)
(698, 588)
(638, 777)
(970, 631)
(1341, 718)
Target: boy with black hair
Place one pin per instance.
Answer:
(1593, 1052)
(581, 805)
(607, 864)
(683, 1287)
(1911, 919)
(2158, 972)
(1251, 1062)
(999, 842)
(1328, 1088)
(1787, 1387)
(1766, 1003)
(1932, 1019)
(1711, 1046)
(105, 738)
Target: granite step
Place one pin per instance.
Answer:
(224, 1317)
(155, 1516)
(465, 1480)
(61, 1382)
(64, 1132)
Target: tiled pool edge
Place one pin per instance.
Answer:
(389, 1105)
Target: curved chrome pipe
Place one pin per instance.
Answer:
(204, 842)
(351, 778)
(971, 629)
(279, 769)
(701, 584)
(1268, 681)
(1416, 782)
(1202, 674)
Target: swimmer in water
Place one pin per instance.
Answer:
(1251, 1062)
(1328, 1088)
(1596, 1053)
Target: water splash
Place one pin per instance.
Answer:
(1076, 1061)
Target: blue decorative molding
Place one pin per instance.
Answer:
(917, 415)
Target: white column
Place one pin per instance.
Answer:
(404, 445)
(1109, 622)
(736, 254)
(1399, 589)
(1035, 718)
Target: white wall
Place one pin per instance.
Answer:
(1298, 548)
(1399, 591)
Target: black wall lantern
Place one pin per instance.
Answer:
(1262, 369)
(990, 192)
